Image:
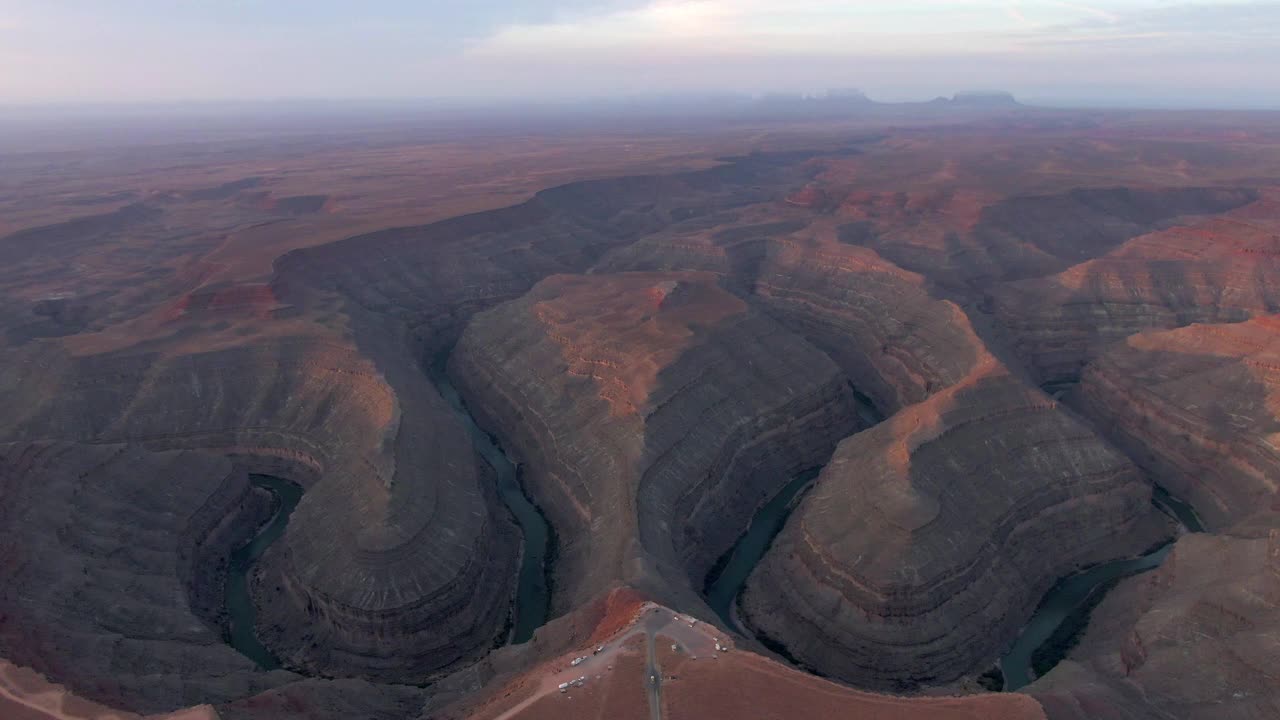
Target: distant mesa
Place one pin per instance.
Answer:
(980, 98)
(846, 97)
(849, 95)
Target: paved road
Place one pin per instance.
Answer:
(653, 677)
(696, 639)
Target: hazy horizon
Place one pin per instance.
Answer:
(1125, 53)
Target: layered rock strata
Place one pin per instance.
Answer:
(652, 413)
(106, 563)
(1200, 407)
(876, 321)
(398, 561)
(929, 539)
(433, 278)
(1031, 236)
(1220, 270)
(1198, 638)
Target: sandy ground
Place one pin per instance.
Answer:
(696, 680)
(26, 695)
(616, 671)
(746, 685)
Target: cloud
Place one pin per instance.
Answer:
(1096, 12)
(145, 49)
(717, 26)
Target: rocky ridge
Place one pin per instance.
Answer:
(1223, 269)
(652, 413)
(89, 550)
(377, 558)
(1199, 406)
(929, 539)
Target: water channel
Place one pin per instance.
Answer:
(533, 595)
(240, 610)
(532, 600)
(1048, 636)
(1064, 612)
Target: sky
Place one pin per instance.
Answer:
(1161, 53)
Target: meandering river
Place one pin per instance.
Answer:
(1049, 634)
(729, 576)
(240, 608)
(532, 593)
(1064, 612)
(1061, 615)
(532, 601)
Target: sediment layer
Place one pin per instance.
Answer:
(1195, 639)
(1224, 269)
(106, 580)
(652, 413)
(1199, 406)
(928, 540)
(396, 558)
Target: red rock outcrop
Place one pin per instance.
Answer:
(652, 412)
(1196, 639)
(929, 539)
(1200, 407)
(396, 563)
(876, 321)
(1031, 235)
(433, 278)
(1220, 270)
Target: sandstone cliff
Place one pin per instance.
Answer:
(876, 321)
(929, 539)
(1195, 639)
(1220, 270)
(433, 278)
(398, 557)
(652, 413)
(99, 547)
(1025, 236)
(1200, 407)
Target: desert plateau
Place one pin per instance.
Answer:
(965, 409)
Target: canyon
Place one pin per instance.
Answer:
(532, 392)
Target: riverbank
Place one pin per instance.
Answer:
(532, 602)
(1063, 613)
(241, 624)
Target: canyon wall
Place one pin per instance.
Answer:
(651, 413)
(1021, 236)
(97, 546)
(1196, 639)
(1200, 407)
(397, 557)
(1223, 269)
(929, 540)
